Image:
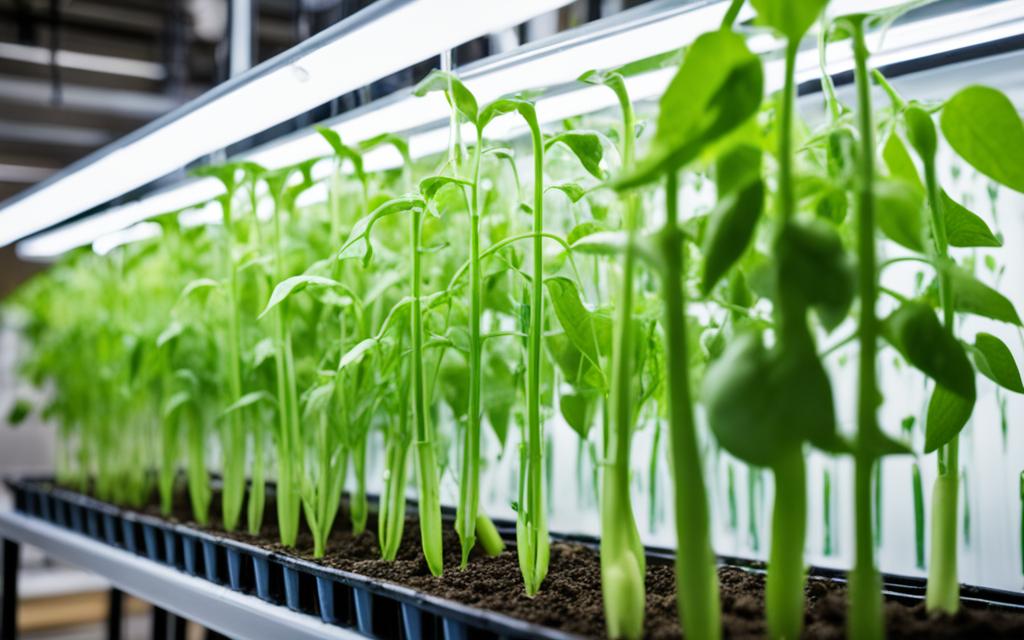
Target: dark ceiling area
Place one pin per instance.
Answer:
(78, 74)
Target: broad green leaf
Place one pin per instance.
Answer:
(970, 295)
(984, 128)
(430, 186)
(731, 223)
(786, 399)
(791, 18)
(583, 230)
(717, 88)
(249, 400)
(948, 413)
(587, 147)
(20, 410)
(815, 270)
(916, 332)
(899, 162)
(571, 190)
(995, 361)
(286, 288)
(964, 228)
(579, 323)
(499, 395)
(579, 410)
(899, 209)
(454, 385)
(508, 104)
(457, 92)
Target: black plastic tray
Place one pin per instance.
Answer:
(373, 608)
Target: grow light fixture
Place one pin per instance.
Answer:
(646, 30)
(398, 32)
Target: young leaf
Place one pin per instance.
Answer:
(587, 147)
(358, 244)
(732, 222)
(964, 228)
(286, 288)
(204, 285)
(583, 230)
(579, 410)
(356, 353)
(972, 296)
(899, 207)
(463, 99)
(248, 400)
(899, 162)
(948, 412)
(916, 332)
(718, 87)
(791, 18)
(344, 152)
(579, 323)
(995, 361)
(571, 190)
(175, 402)
(499, 395)
(982, 125)
(814, 270)
(920, 131)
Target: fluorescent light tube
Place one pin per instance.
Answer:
(383, 38)
(425, 119)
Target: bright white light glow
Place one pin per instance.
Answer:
(49, 245)
(141, 231)
(904, 42)
(113, 65)
(401, 34)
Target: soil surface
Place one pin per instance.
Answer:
(570, 599)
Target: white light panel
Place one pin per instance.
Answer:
(400, 33)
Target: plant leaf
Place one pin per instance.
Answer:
(814, 270)
(20, 410)
(948, 412)
(172, 331)
(984, 128)
(970, 295)
(248, 400)
(587, 147)
(899, 206)
(344, 152)
(718, 87)
(964, 228)
(356, 353)
(791, 18)
(358, 244)
(916, 332)
(731, 223)
(577, 321)
(579, 410)
(453, 88)
(572, 190)
(204, 285)
(175, 402)
(995, 361)
(289, 286)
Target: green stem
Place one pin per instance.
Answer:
(469, 483)
(943, 590)
(865, 619)
(426, 463)
(696, 578)
(784, 586)
(623, 564)
(234, 449)
(535, 565)
(787, 201)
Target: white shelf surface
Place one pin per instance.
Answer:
(233, 614)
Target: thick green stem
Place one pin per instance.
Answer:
(696, 578)
(532, 512)
(865, 619)
(469, 483)
(787, 201)
(623, 564)
(234, 443)
(943, 591)
(426, 463)
(784, 586)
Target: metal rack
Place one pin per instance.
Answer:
(216, 607)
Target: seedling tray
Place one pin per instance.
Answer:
(373, 608)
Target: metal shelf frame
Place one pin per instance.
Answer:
(215, 607)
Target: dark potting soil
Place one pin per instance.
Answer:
(570, 598)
